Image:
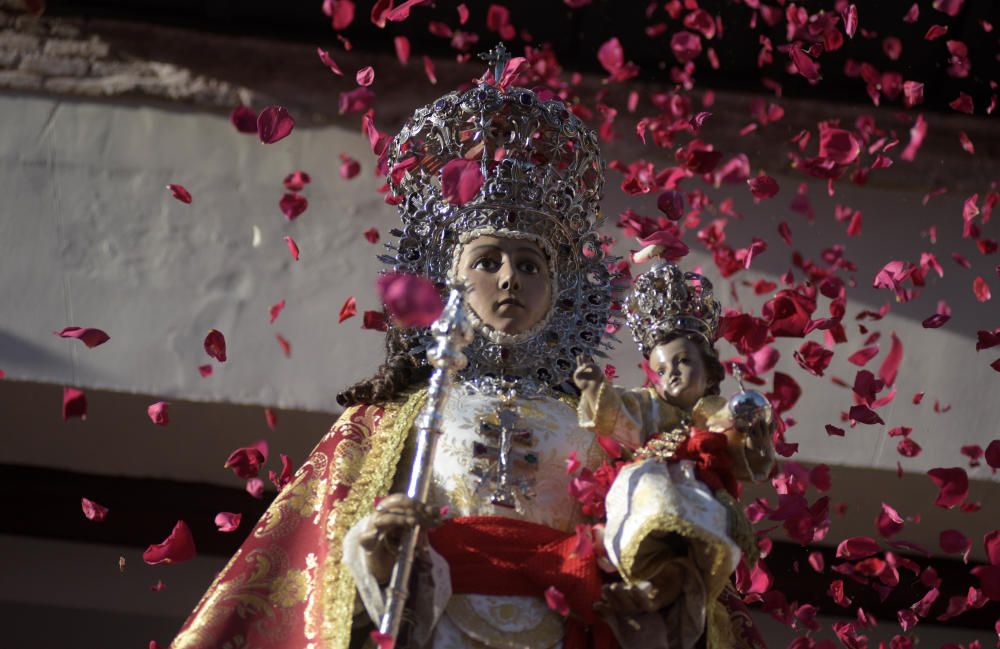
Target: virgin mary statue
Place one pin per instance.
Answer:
(503, 567)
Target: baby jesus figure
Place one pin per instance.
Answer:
(674, 526)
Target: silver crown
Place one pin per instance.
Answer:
(666, 299)
(543, 181)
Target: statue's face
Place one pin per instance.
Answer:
(680, 367)
(508, 281)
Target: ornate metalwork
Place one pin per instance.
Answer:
(666, 299)
(543, 180)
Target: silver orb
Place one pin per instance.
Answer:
(749, 407)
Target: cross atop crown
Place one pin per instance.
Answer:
(498, 58)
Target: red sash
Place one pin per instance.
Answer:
(494, 555)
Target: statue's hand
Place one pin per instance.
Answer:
(759, 450)
(393, 516)
(588, 376)
(660, 591)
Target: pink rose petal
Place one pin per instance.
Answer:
(176, 548)
(205, 370)
(671, 203)
(275, 310)
(349, 167)
(215, 345)
(556, 601)
(365, 76)
(286, 347)
(255, 487)
(981, 289)
(402, 45)
(180, 193)
(74, 404)
(158, 413)
(411, 300)
(963, 103)
(93, 511)
(293, 205)
(227, 522)
(382, 640)
(804, 64)
(954, 542)
(271, 418)
(292, 248)
(857, 547)
(91, 337)
(461, 181)
(328, 61)
(889, 522)
(274, 123)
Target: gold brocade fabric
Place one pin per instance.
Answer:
(286, 587)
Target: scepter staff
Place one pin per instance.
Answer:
(452, 331)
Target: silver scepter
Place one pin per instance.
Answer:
(452, 332)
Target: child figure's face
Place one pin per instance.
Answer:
(680, 367)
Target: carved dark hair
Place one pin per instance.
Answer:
(393, 377)
(715, 372)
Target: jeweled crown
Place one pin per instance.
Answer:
(543, 178)
(665, 300)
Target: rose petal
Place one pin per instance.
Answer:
(374, 320)
(93, 511)
(981, 289)
(244, 119)
(293, 205)
(227, 521)
(180, 193)
(275, 310)
(91, 337)
(763, 187)
(953, 486)
(349, 309)
(963, 103)
(215, 345)
(671, 203)
(274, 123)
(74, 404)
(935, 32)
(857, 547)
(328, 61)
(890, 366)
(158, 413)
(341, 13)
(176, 548)
(402, 45)
(247, 460)
(382, 640)
(365, 76)
(296, 181)
(371, 235)
(461, 181)
(954, 542)
(556, 601)
(255, 487)
(349, 167)
(803, 64)
(411, 300)
(292, 248)
(286, 347)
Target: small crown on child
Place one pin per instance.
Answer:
(666, 299)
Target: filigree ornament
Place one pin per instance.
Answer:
(543, 178)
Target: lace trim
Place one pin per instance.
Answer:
(374, 479)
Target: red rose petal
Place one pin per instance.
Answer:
(374, 320)
(215, 345)
(158, 413)
(371, 234)
(953, 486)
(963, 103)
(857, 547)
(274, 123)
(382, 640)
(411, 300)
(292, 248)
(803, 64)
(91, 337)
(286, 347)
(74, 404)
(93, 511)
(671, 204)
(954, 542)
(890, 366)
(889, 522)
(365, 76)
(296, 181)
(763, 187)
(176, 548)
(349, 167)
(275, 310)
(205, 370)
(429, 70)
(293, 205)
(247, 460)
(851, 21)
(244, 119)
(349, 309)
(992, 456)
(328, 61)
(180, 193)
(227, 521)
(981, 289)
(935, 32)
(461, 180)
(341, 13)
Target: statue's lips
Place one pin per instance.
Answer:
(508, 304)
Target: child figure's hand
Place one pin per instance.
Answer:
(752, 451)
(588, 376)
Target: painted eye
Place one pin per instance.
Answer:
(529, 267)
(485, 263)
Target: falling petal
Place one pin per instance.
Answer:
(293, 205)
(763, 187)
(365, 76)
(556, 601)
(176, 548)
(349, 309)
(274, 123)
(411, 300)
(461, 181)
(74, 404)
(180, 193)
(215, 345)
(93, 511)
(158, 413)
(371, 235)
(276, 309)
(91, 337)
(227, 521)
(292, 248)
(328, 61)
(244, 119)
